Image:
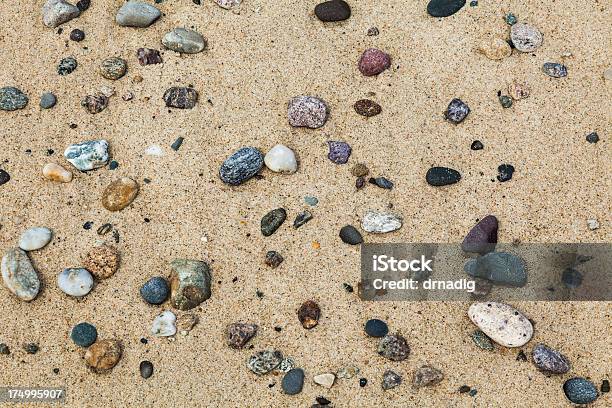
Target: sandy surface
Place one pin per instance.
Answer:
(259, 59)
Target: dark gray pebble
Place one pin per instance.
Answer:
(301, 219)
(477, 145)
(482, 340)
(339, 152)
(592, 137)
(350, 235)
(12, 98)
(66, 66)
(333, 10)
(4, 349)
(83, 5)
(549, 360)
(605, 386)
(181, 97)
(580, 390)
(394, 347)
(146, 369)
(554, 69)
(391, 380)
(442, 176)
(505, 172)
(155, 291)
(456, 111)
(273, 259)
(47, 100)
(241, 166)
(482, 237)
(31, 348)
(571, 278)
(444, 8)
(501, 268)
(84, 334)
(77, 35)
(381, 182)
(293, 381)
(177, 143)
(376, 328)
(4, 177)
(272, 221)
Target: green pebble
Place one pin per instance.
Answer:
(505, 101)
(482, 340)
(511, 19)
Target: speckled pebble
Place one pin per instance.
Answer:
(77, 35)
(380, 222)
(113, 68)
(12, 98)
(102, 261)
(502, 323)
(373, 62)
(307, 111)
(367, 108)
(228, 4)
(87, 155)
(580, 390)
(482, 340)
(390, 380)
(519, 90)
(67, 66)
(95, 103)
(264, 361)
(549, 360)
(339, 152)
(148, 56)
(84, 334)
(394, 347)
(190, 283)
(309, 314)
(272, 221)
(526, 38)
(181, 97)
(273, 259)
(427, 376)
(241, 166)
(456, 111)
(155, 291)
(554, 69)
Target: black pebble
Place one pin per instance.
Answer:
(113, 165)
(77, 35)
(505, 172)
(605, 386)
(88, 225)
(146, 369)
(323, 401)
(334, 10)
(83, 4)
(31, 348)
(464, 388)
(56, 371)
(442, 176)
(477, 145)
(177, 144)
(363, 382)
(350, 235)
(444, 8)
(348, 288)
(456, 111)
(381, 182)
(521, 356)
(4, 177)
(592, 137)
(376, 328)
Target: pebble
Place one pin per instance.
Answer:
(580, 390)
(456, 111)
(350, 235)
(67, 66)
(12, 98)
(526, 38)
(128, 96)
(31, 348)
(107, 91)
(272, 221)
(363, 382)
(501, 268)
(83, 5)
(311, 201)
(502, 323)
(190, 283)
(35, 238)
(505, 101)
(367, 108)
(119, 194)
(442, 176)
(482, 237)
(4, 349)
(373, 32)
(309, 314)
(477, 145)
(84, 334)
(339, 152)
(593, 224)
(286, 365)
(164, 325)
(334, 10)
(180, 97)
(88, 155)
(58, 12)
(605, 385)
(380, 222)
(47, 100)
(103, 355)
(95, 103)
(281, 159)
(325, 380)
(264, 361)
(307, 111)
(427, 376)
(184, 41)
(554, 69)
(155, 291)
(146, 369)
(510, 19)
(154, 150)
(347, 372)
(176, 145)
(381, 182)
(241, 166)
(102, 261)
(394, 347)
(592, 137)
(4, 177)
(113, 68)
(482, 340)
(148, 56)
(495, 48)
(505, 172)
(373, 61)
(376, 328)
(77, 35)
(55, 172)
(444, 8)
(19, 275)
(607, 74)
(239, 334)
(76, 282)
(293, 381)
(228, 4)
(273, 259)
(549, 360)
(301, 219)
(137, 14)
(519, 90)
(391, 380)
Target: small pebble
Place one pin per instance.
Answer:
(128, 96)
(592, 137)
(67, 66)
(360, 183)
(373, 61)
(113, 165)
(35, 238)
(12, 98)
(442, 176)
(495, 49)
(241, 166)
(363, 382)
(347, 372)
(463, 389)
(102, 261)
(367, 108)
(77, 35)
(146, 369)
(339, 152)
(226, 4)
(113, 68)
(164, 325)
(510, 19)
(281, 159)
(47, 100)
(239, 334)
(477, 145)
(482, 340)
(526, 38)
(456, 111)
(272, 221)
(580, 390)
(95, 103)
(83, 5)
(184, 41)
(293, 381)
(350, 235)
(502, 323)
(505, 101)
(58, 12)
(31, 348)
(519, 90)
(154, 150)
(380, 222)
(505, 172)
(18, 274)
(381, 182)
(76, 282)
(444, 8)
(605, 385)
(307, 111)
(391, 380)
(176, 145)
(333, 10)
(190, 283)
(554, 69)
(549, 360)
(107, 91)
(119, 194)
(311, 201)
(137, 14)
(4, 349)
(273, 259)
(84, 334)
(4, 177)
(427, 376)
(373, 32)
(103, 355)
(180, 97)
(148, 56)
(325, 380)
(376, 328)
(394, 347)
(593, 224)
(155, 291)
(482, 237)
(309, 314)
(264, 361)
(301, 219)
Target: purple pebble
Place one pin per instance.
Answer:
(483, 237)
(373, 62)
(339, 152)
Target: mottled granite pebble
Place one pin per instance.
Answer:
(307, 111)
(373, 62)
(12, 98)
(180, 97)
(549, 360)
(241, 166)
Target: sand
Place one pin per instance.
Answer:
(259, 59)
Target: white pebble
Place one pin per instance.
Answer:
(325, 380)
(55, 172)
(154, 150)
(526, 38)
(75, 281)
(502, 323)
(380, 222)
(35, 238)
(281, 159)
(164, 325)
(593, 224)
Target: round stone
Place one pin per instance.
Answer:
(137, 14)
(476, 145)
(239, 334)
(241, 166)
(47, 100)
(19, 275)
(35, 238)
(367, 108)
(549, 360)
(501, 268)
(146, 369)
(119, 194)
(83, 5)
(181, 97)
(526, 38)
(113, 68)
(442, 176)
(380, 222)
(102, 261)
(12, 98)
(339, 152)
(444, 8)
(281, 159)
(502, 323)
(350, 235)
(334, 10)
(264, 361)
(456, 111)
(376, 328)
(155, 291)
(77, 35)
(164, 325)
(190, 283)
(394, 347)
(373, 61)
(84, 334)
(309, 314)
(518, 90)
(103, 355)
(67, 66)
(307, 111)
(75, 281)
(88, 155)
(185, 41)
(427, 376)
(580, 390)
(293, 381)
(55, 172)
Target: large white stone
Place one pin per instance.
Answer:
(164, 325)
(35, 238)
(281, 159)
(502, 323)
(75, 281)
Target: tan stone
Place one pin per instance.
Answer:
(495, 48)
(102, 261)
(55, 172)
(519, 90)
(119, 194)
(103, 355)
(186, 322)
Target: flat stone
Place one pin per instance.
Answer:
(12, 98)
(264, 361)
(501, 268)
(155, 291)
(380, 222)
(301, 219)
(55, 172)
(376, 328)
(580, 390)
(47, 100)
(184, 41)
(164, 325)
(58, 12)
(95, 103)
(426, 376)
(119, 194)
(394, 347)
(307, 111)
(482, 340)
(442, 176)
(190, 283)
(390, 380)
(495, 48)
(35, 238)
(19, 275)
(148, 56)
(334, 10)
(554, 69)
(444, 8)
(102, 261)
(525, 37)
(76, 282)
(137, 14)
(281, 159)
(350, 235)
(373, 62)
(482, 238)
(272, 221)
(325, 380)
(293, 381)
(67, 66)
(456, 111)
(549, 360)
(241, 166)
(502, 323)
(367, 108)
(84, 334)
(87, 155)
(239, 334)
(339, 152)
(181, 97)
(309, 314)
(113, 68)
(103, 355)
(146, 369)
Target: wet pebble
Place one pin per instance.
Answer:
(442, 176)
(155, 291)
(103, 355)
(190, 283)
(18, 274)
(502, 323)
(482, 340)
(376, 328)
(373, 62)
(146, 369)
(390, 380)
(482, 237)
(47, 100)
(549, 360)
(554, 69)
(119, 194)
(525, 37)
(77, 35)
(444, 8)
(293, 381)
(580, 390)
(309, 314)
(273, 259)
(12, 98)
(456, 111)
(264, 361)
(76, 282)
(84, 334)
(281, 159)
(35, 238)
(307, 111)
(137, 14)
(58, 12)
(501, 268)
(87, 155)
(301, 219)
(394, 347)
(102, 261)
(272, 221)
(113, 68)
(239, 334)
(67, 66)
(241, 166)
(380, 222)
(350, 235)
(164, 325)
(148, 56)
(505, 172)
(426, 376)
(367, 108)
(181, 97)
(95, 103)
(184, 41)
(333, 10)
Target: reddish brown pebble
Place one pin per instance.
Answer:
(102, 261)
(373, 62)
(239, 334)
(309, 314)
(148, 56)
(367, 108)
(103, 355)
(119, 194)
(95, 103)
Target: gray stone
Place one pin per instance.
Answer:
(307, 111)
(113, 68)
(501, 268)
(380, 222)
(47, 100)
(88, 155)
(137, 14)
(549, 360)
(427, 376)
(264, 361)
(95, 103)
(526, 38)
(301, 219)
(554, 69)
(293, 381)
(12, 98)
(58, 12)
(241, 166)
(185, 41)
(190, 283)
(350, 235)
(35, 238)
(239, 334)
(228, 4)
(19, 275)
(482, 340)
(394, 347)
(180, 97)
(391, 380)
(67, 66)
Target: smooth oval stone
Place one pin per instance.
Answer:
(239, 334)
(444, 8)
(376, 328)
(19, 275)
(47, 100)
(442, 176)
(427, 376)
(549, 360)
(146, 369)
(241, 166)
(12, 98)
(373, 61)
(482, 238)
(137, 14)
(456, 111)
(394, 347)
(155, 291)
(501, 268)
(88, 155)
(113, 68)
(103, 355)
(190, 283)
(4, 177)
(164, 325)
(119, 194)
(84, 334)
(350, 235)
(380, 222)
(58, 12)
(293, 381)
(35, 238)
(502, 323)
(580, 390)
(75, 281)
(184, 40)
(102, 261)
(307, 111)
(281, 159)
(339, 152)
(334, 10)
(526, 38)
(55, 172)
(367, 108)
(554, 69)
(264, 361)
(180, 97)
